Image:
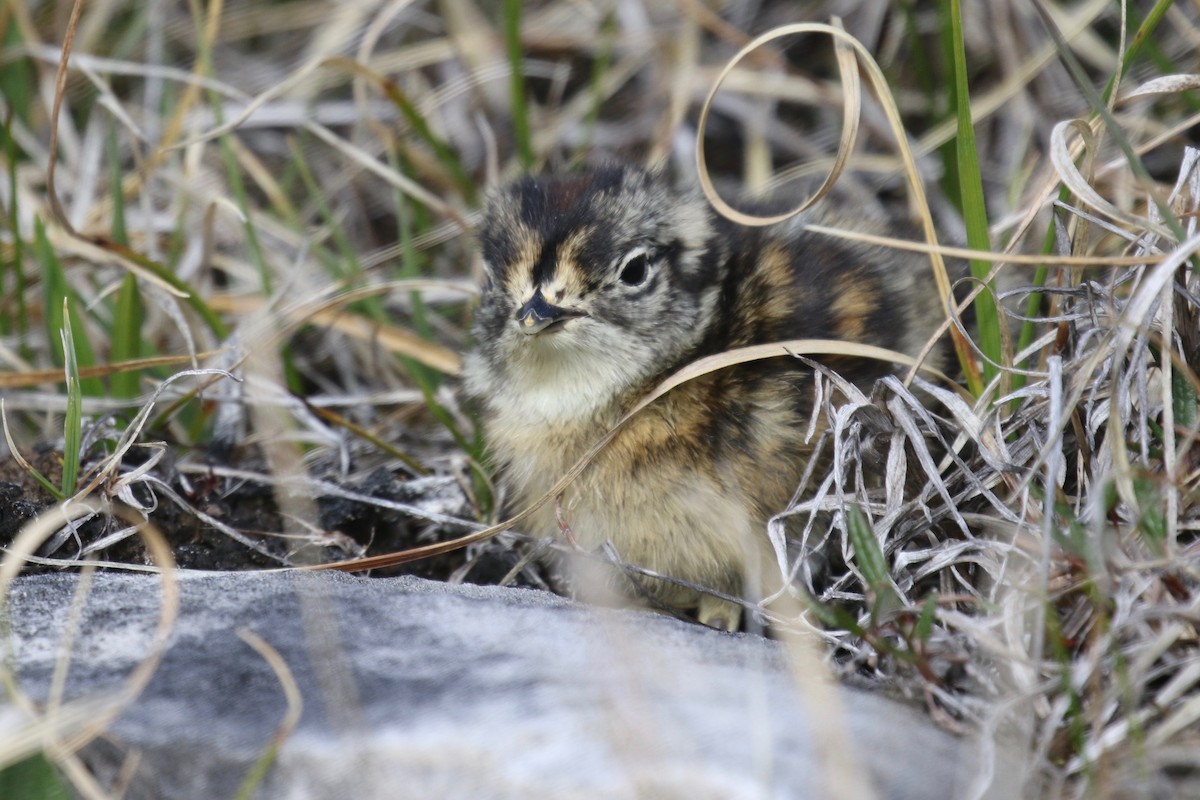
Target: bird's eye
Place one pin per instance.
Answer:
(636, 269)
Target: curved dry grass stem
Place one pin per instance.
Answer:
(851, 111)
(1062, 156)
(366, 48)
(60, 90)
(1021, 259)
(697, 369)
(844, 44)
(325, 310)
(16, 380)
(291, 716)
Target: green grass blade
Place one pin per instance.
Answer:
(233, 173)
(1140, 39)
(924, 626)
(349, 269)
(1152, 520)
(1033, 305)
(414, 265)
(57, 292)
(210, 317)
(258, 772)
(441, 149)
(600, 67)
(18, 78)
(127, 315)
(73, 423)
(1075, 723)
(942, 96)
(1183, 400)
(116, 178)
(54, 290)
(974, 207)
(520, 109)
(238, 186)
(127, 336)
(13, 323)
(22, 462)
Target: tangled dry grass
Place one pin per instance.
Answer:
(291, 190)
(1055, 544)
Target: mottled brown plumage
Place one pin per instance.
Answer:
(600, 285)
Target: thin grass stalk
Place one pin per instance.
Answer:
(974, 207)
(608, 38)
(520, 104)
(127, 337)
(441, 149)
(73, 421)
(21, 461)
(1101, 110)
(353, 269)
(57, 291)
(1034, 301)
(19, 322)
(207, 25)
(127, 314)
(295, 706)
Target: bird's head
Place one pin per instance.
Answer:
(593, 283)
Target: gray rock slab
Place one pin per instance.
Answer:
(415, 689)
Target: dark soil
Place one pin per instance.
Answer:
(347, 528)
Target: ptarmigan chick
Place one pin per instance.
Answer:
(599, 285)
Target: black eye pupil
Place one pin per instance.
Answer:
(634, 271)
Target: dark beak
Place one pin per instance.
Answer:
(537, 315)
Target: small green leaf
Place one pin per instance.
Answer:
(19, 78)
(1183, 400)
(127, 315)
(924, 624)
(1152, 521)
(35, 778)
(833, 616)
(869, 558)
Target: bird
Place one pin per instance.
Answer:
(598, 284)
